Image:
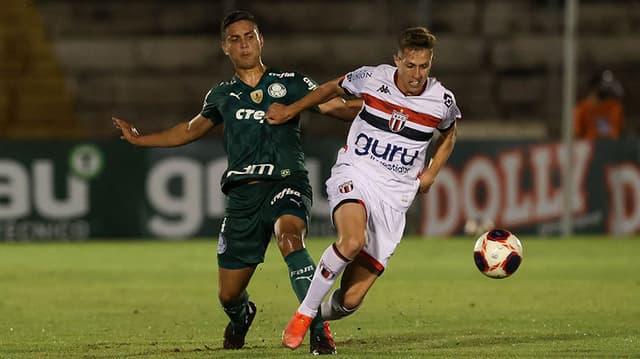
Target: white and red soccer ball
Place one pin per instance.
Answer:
(497, 253)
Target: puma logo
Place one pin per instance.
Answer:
(236, 95)
(307, 277)
(297, 203)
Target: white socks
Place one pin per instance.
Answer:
(332, 309)
(331, 264)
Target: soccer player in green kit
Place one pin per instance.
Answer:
(266, 184)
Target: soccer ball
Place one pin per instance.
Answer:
(497, 253)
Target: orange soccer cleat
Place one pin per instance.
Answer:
(294, 332)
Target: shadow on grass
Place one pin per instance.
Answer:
(423, 343)
(412, 344)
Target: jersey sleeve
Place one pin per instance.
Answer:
(211, 108)
(353, 82)
(303, 85)
(451, 112)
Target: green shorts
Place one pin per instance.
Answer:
(251, 212)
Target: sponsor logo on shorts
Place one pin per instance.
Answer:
(285, 192)
(346, 187)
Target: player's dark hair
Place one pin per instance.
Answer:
(236, 16)
(416, 38)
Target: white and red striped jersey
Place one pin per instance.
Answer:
(387, 141)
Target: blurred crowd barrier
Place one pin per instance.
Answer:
(67, 66)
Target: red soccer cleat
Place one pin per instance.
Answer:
(294, 332)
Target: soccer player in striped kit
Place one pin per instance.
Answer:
(377, 173)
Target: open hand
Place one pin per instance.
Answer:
(129, 132)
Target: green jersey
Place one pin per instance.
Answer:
(256, 150)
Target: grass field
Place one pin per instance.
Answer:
(152, 299)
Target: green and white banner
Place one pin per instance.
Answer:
(74, 190)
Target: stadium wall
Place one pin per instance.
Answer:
(76, 190)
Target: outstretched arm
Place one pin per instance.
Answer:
(178, 135)
(341, 109)
(443, 150)
(279, 114)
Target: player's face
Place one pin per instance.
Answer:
(243, 44)
(413, 69)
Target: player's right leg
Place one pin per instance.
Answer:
(232, 284)
(242, 244)
(350, 219)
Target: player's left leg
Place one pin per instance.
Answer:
(384, 232)
(350, 219)
(357, 279)
(289, 232)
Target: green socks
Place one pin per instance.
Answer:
(301, 269)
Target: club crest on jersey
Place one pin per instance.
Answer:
(222, 244)
(256, 96)
(277, 90)
(345, 187)
(397, 121)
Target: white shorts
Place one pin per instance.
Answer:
(385, 224)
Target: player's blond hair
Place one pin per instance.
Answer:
(416, 38)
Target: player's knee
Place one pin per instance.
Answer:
(289, 242)
(228, 298)
(350, 245)
(225, 299)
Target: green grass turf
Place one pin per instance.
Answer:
(152, 299)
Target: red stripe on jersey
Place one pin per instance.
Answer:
(388, 107)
